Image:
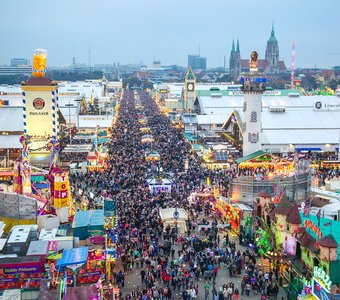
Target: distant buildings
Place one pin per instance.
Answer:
(16, 62)
(20, 70)
(197, 62)
(19, 66)
(156, 64)
(271, 64)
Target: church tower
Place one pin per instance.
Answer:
(235, 61)
(272, 53)
(189, 90)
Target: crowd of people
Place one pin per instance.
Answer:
(171, 264)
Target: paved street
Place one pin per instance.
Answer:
(133, 278)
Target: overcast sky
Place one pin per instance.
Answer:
(131, 31)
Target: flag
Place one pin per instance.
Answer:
(318, 215)
(327, 224)
(306, 210)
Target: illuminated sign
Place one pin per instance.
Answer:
(310, 225)
(38, 103)
(324, 277)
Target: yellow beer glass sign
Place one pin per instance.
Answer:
(39, 63)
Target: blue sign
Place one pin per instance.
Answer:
(320, 291)
(176, 215)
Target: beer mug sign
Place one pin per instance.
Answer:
(39, 63)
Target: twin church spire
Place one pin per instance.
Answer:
(237, 47)
(270, 64)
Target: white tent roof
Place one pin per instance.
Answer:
(11, 119)
(332, 208)
(306, 119)
(225, 104)
(168, 213)
(211, 119)
(10, 142)
(301, 136)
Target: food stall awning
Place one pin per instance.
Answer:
(75, 256)
(260, 155)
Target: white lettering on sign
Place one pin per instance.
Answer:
(323, 276)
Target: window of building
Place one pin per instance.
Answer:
(253, 117)
(244, 106)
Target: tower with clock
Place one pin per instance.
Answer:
(189, 90)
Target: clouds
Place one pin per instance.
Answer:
(132, 30)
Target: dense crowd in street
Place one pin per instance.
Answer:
(169, 263)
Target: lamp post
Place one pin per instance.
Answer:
(176, 216)
(78, 111)
(69, 105)
(160, 171)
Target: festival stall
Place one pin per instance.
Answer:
(142, 119)
(48, 222)
(21, 272)
(110, 219)
(173, 219)
(157, 185)
(147, 138)
(42, 248)
(74, 259)
(270, 164)
(145, 129)
(216, 160)
(95, 267)
(88, 223)
(283, 232)
(153, 156)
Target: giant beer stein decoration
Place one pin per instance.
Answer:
(39, 63)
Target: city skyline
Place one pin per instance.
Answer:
(135, 31)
